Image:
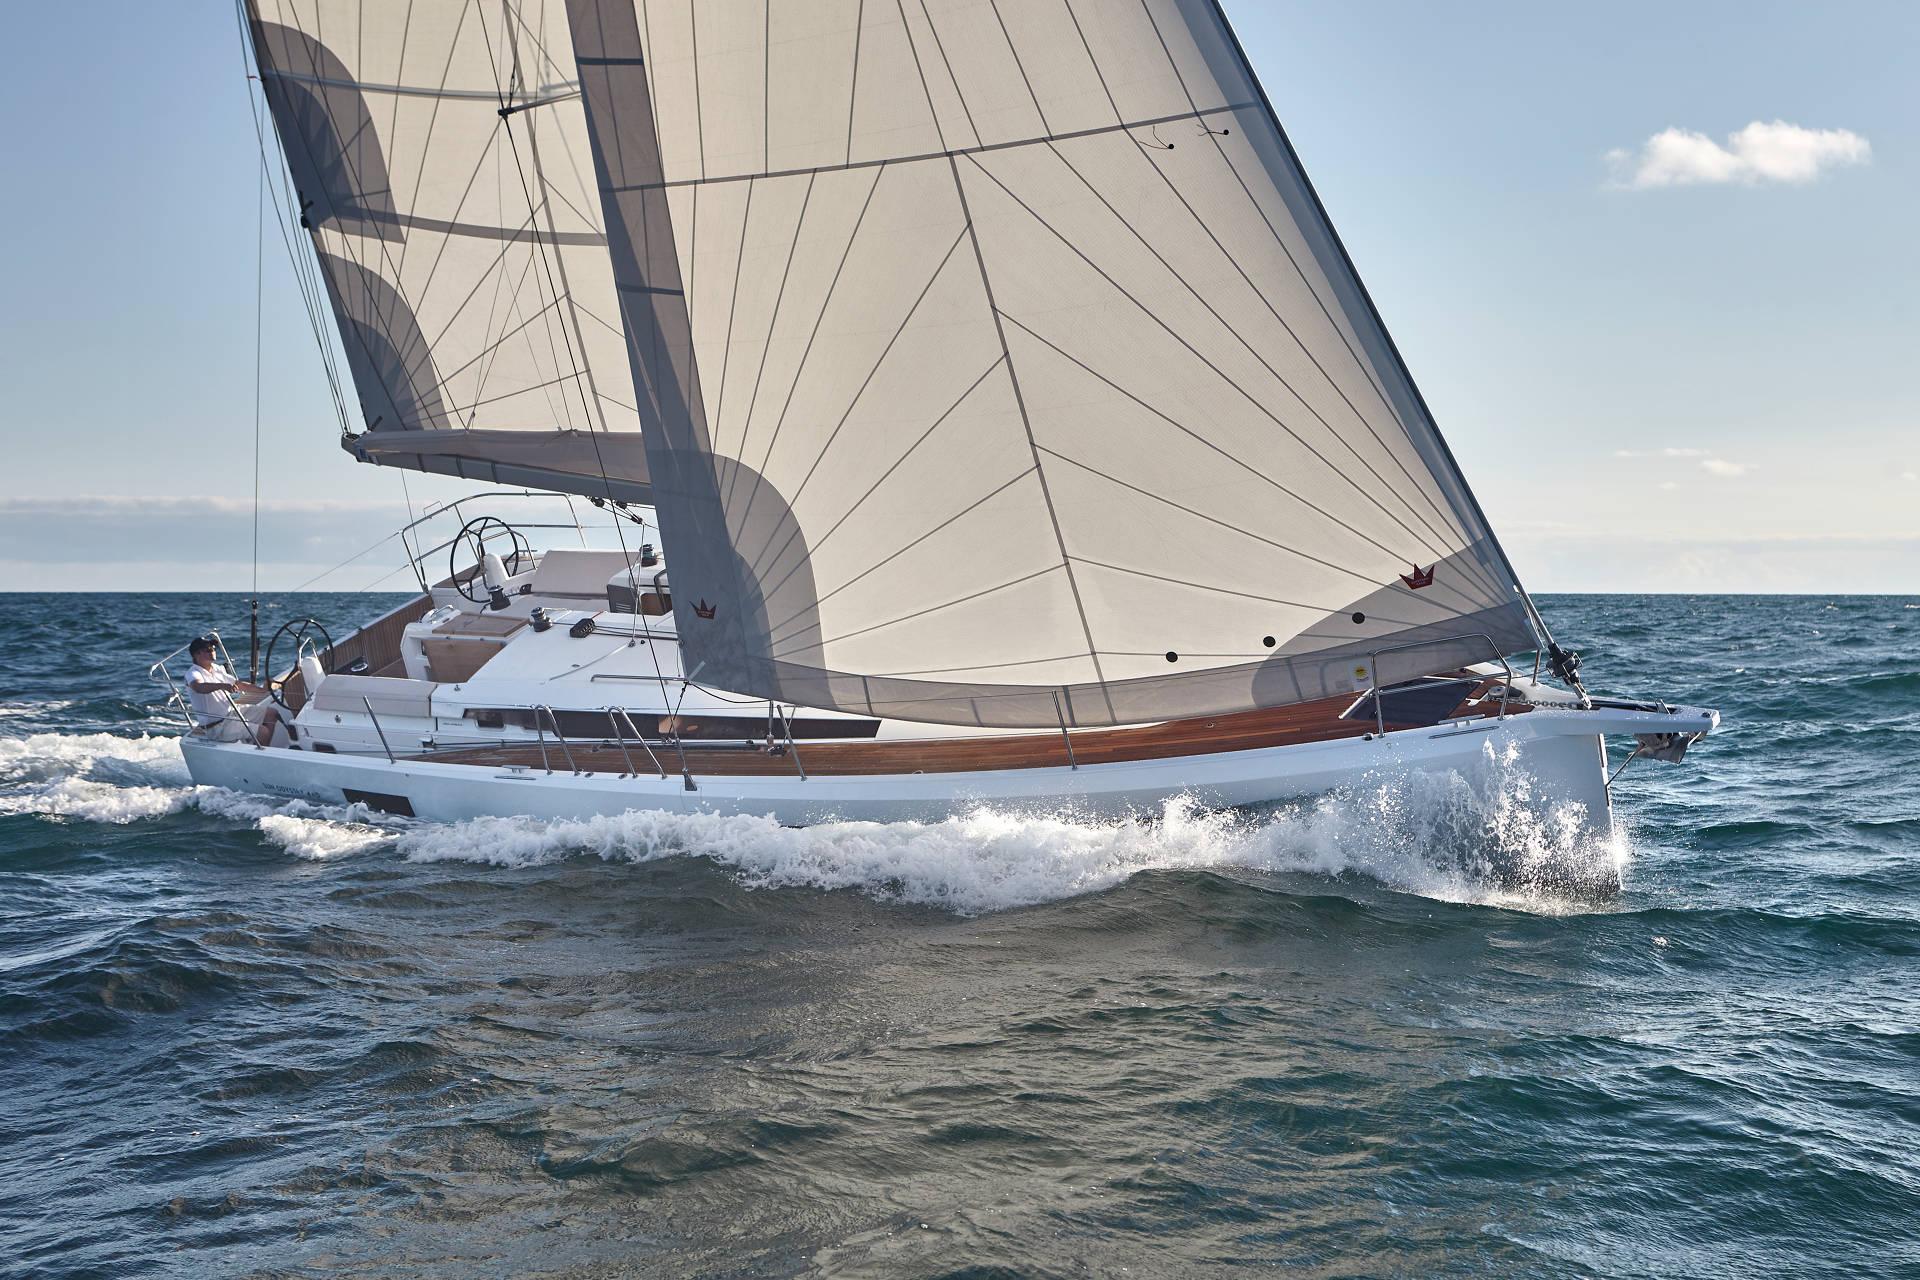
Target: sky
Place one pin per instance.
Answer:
(1651, 264)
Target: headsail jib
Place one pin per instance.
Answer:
(439, 159)
(997, 365)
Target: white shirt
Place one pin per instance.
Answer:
(210, 706)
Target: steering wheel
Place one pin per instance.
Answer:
(477, 537)
(298, 631)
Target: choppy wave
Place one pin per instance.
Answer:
(241, 1034)
(1481, 836)
(95, 777)
(100, 777)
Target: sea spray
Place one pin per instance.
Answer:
(1482, 835)
(93, 777)
(1479, 835)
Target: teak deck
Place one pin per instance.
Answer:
(1242, 731)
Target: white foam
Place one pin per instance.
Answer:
(97, 777)
(96, 801)
(1481, 836)
(93, 777)
(320, 838)
(304, 829)
(46, 756)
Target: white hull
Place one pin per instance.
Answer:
(1561, 750)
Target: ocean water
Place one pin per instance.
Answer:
(244, 1037)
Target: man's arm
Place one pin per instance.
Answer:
(238, 686)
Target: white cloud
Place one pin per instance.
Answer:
(1760, 152)
(1661, 453)
(1722, 467)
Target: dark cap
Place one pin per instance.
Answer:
(201, 644)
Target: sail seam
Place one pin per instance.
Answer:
(504, 338)
(1046, 125)
(577, 340)
(983, 666)
(853, 80)
(984, 148)
(493, 313)
(1160, 498)
(420, 170)
(919, 71)
(519, 391)
(429, 344)
(959, 93)
(1250, 348)
(699, 107)
(1245, 595)
(733, 311)
(1365, 370)
(1432, 429)
(1170, 421)
(1175, 334)
(806, 352)
(961, 514)
(921, 613)
(419, 300)
(794, 497)
(1188, 431)
(766, 347)
(813, 547)
(1026, 422)
(472, 230)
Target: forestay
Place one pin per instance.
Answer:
(439, 154)
(998, 365)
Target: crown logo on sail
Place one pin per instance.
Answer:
(706, 611)
(1419, 577)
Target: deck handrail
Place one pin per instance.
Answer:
(418, 553)
(1373, 671)
(159, 672)
(368, 703)
(614, 716)
(558, 736)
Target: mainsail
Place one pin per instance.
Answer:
(997, 364)
(439, 155)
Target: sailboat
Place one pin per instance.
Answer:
(982, 403)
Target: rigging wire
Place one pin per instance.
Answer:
(583, 382)
(349, 560)
(582, 379)
(259, 286)
(286, 206)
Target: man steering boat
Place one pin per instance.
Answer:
(226, 709)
